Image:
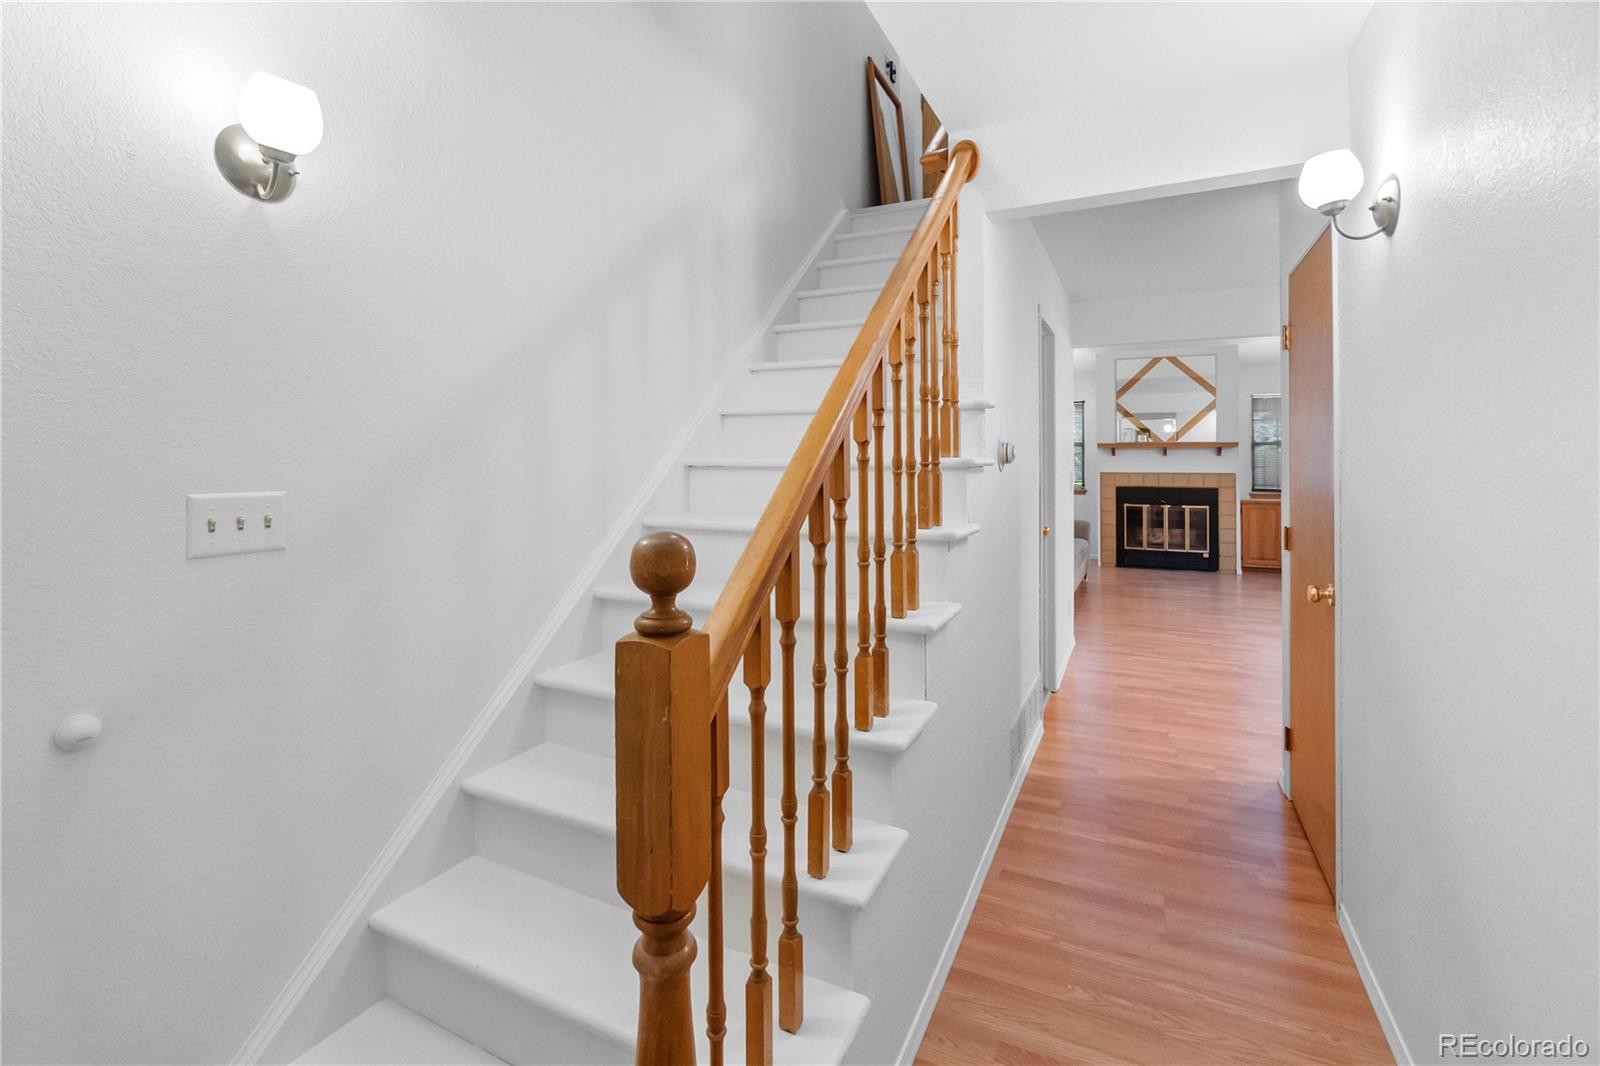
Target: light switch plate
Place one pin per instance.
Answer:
(236, 523)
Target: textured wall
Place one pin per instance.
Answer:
(1467, 480)
(531, 236)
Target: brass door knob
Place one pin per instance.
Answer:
(1046, 532)
(1322, 595)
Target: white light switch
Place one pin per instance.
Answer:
(234, 523)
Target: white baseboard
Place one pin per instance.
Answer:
(351, 916)
(1369, 980)
(947, 958)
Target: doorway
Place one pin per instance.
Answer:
(1048, 668)
(1313, 771)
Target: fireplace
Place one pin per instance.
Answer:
(1167, 527)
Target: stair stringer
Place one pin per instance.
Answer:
(343, 972)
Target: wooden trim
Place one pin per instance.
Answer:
(1112, 446)
(1194, 375)
(1138, 376)
(1197, 418)
(1137, 423)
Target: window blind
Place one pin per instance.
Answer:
(1266, 443)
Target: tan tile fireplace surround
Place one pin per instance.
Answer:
(1227, 510)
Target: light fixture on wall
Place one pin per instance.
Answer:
(1328, 182)
(278, 121)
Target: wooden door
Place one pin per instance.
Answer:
(1047, 508)
(1310, 557)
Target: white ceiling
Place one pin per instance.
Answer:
(987, 63)
(1226, 239)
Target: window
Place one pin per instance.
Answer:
(1077, 448)
(1266, 443)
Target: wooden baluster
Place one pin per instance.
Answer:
(817, 801)
(954, 361)
(664, 771)
(791, 945)
(716, 1002)
(880, 651)
(937, 344)
(863, 664)
(925, 355)
(897, 523)
(839, 487)
(913, 468)
(758, 989)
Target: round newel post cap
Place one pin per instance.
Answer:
(662, 565)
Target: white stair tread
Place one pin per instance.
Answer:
(579, 788)
(964, 463)
(595, 676)
(573, 955)
(701, 596)
(919, 205)
(387, 1034)
(812, 327)
(906, 227)
(839, 290)
(687, 521)
(770, 365)
(853, 260)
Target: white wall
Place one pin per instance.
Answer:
(1175, 318)
(1466, 665)
(531, 236)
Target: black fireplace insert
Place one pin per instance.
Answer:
(1167, 528)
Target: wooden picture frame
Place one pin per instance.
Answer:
(890, 191)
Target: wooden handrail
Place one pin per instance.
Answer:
(938, 149)
(756, 572)
(672, 680)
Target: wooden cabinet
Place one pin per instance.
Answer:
(1260, 542)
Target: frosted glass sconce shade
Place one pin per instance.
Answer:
(1328, 179)
(278, 121)
(280, 114)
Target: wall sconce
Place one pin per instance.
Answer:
(1329, 181)
(278, 120)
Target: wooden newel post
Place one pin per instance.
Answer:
(664, 783)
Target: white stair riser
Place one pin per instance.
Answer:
(585, 723)
(853, 305)
(893, 218)
(762, 436)
(832, 343)
(759, 436)
(872, 273)
(850, 245)
(907, 651)
(794, 387)
(504, 1024)
(717, 552)
(872, 769)
(734, 490)
(584, 860)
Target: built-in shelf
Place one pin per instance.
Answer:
(1149, 445)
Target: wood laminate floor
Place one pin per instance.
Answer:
(1153, 899)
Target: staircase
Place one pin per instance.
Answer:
(522, 952)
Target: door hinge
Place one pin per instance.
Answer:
(1288, 739)
(1288, 541)
(1288, 338)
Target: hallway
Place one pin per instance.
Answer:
(1153, 899)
